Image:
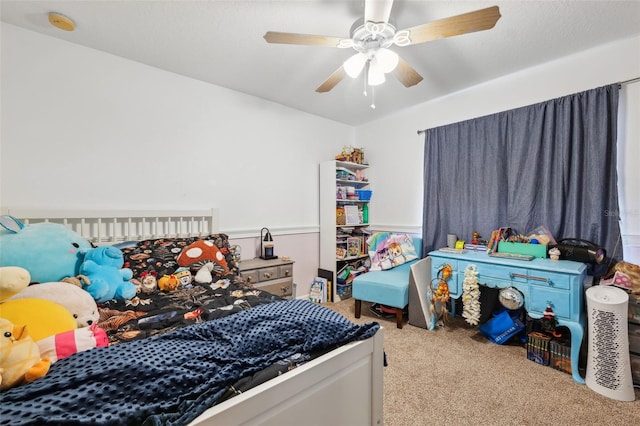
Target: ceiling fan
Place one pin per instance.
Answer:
(374, 34)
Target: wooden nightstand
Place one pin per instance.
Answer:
(274, 276)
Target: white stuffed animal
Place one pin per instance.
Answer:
(74, 299)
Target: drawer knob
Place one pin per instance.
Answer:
(249, 279)
(267, 275)
(287, 273)
(284, 290)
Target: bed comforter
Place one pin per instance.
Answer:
(174, 377)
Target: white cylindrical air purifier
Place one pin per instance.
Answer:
(608, 363)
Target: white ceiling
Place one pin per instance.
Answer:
(221, 42)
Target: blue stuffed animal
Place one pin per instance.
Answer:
(109, 280)
(49, 251)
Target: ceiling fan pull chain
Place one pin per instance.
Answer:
(366, 76)
(373, 97)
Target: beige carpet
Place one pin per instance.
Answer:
(454, 376)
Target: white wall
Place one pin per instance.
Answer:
(85, 129)
(396, 151)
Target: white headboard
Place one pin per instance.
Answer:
(112, 226)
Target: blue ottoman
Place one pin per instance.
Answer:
(389, 288)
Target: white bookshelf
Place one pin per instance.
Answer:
(329, 202)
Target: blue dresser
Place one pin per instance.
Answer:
(543, 282)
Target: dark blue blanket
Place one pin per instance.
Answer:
(173, 378)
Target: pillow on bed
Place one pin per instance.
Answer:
(164, 256)
(388, 250)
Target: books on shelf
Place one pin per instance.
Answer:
(354, 246)
(352, 215)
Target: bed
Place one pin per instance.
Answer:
(322, 370)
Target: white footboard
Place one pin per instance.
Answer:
(343, 387)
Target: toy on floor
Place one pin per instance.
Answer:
(20, 360)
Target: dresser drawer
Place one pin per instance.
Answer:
(549, 279)
(541, 297)
(486, 270)
(454, 283)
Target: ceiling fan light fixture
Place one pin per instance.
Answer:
(386, 60)
(354, 65)
(375, 75)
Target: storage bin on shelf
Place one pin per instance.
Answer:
(364, 194)
(344, 290)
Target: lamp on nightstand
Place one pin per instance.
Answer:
(266, 245)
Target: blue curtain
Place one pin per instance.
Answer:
(551, 164)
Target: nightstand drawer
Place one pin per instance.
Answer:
(251, 277)
(281, 287)
(285, 271)
(266, 274)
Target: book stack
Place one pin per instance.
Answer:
(560, 357)
(538, 347)
(318, 290)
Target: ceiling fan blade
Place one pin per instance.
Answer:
(406, 74)
(306, 39)
(333, 79)
(478, 20)
(377, 10)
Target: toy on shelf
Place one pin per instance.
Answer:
(351, 155)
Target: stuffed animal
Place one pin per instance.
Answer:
(74, 299)
(168, 283)
(43, 317)
(202, 251)
(49, 251)
(68, 343)
(20, 360)
(13, 280)
(103, 267)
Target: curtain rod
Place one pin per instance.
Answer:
(631, 80)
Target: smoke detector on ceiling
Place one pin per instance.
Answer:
(61, 22)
